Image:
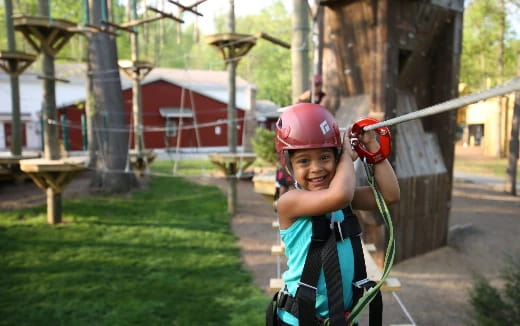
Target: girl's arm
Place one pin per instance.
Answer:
(296, 203)
(386, 180)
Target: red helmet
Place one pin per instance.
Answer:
(306, 125)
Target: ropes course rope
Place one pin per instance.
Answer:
(508, 87)
(365, 300)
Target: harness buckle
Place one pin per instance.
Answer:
(282, 298)
(308, 286)
(340, 231)
(361, 283)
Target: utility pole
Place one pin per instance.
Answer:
(300, 48)
(16, 131)
(136, 88)
(232, 47)
(232, 126)
(514, 142)
(232, 115)
(317, 37)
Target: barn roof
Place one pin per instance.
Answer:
(211, 83)
(266, 109)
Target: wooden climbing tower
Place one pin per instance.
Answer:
(51, 173)
(231, 47)
(140, 158)
(399, 56)
(14, 63)
(44, 33)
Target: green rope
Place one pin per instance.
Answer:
(390, 249)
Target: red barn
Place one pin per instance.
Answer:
(179, 107)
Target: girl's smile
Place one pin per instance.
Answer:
(314, 168)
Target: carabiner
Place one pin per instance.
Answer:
(384, 141)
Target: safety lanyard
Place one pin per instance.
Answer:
(371, 293)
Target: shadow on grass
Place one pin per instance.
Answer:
(157, 257)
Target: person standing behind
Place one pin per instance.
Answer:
(307, 96)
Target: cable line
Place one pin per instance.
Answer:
(509, 87)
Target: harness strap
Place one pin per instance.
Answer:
(322, 253)
(306, 292)
(362, 284)
(331, 269)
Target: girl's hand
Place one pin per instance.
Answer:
(369, 141)
(347, 146)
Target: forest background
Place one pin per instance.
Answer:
(491, 39)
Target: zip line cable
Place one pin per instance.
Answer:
(151, 128)
(508, 87)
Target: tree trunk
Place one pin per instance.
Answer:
(109, 121)
(514, 142)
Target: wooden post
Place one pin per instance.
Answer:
(16, 132)
(136, 89)
(318, 44)
(300, 49)
(53, 206)
(514, 142)
(50, 137)
(231, 115)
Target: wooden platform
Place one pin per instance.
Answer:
(223, 161)
(278, 249)
(10, 165)
(6, 158)
(128, 67)
(265, 185)
(44, 33)
(139, 163)
(55, 174)
(231, 45)
(15, 62)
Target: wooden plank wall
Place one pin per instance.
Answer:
(421, 217)
(421, 221)
(367, 46)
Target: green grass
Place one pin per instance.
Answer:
(484, 166)
(192, 167)
(163, 256)
(185, 168)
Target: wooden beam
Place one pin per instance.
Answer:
(134, 23)
(53, 78)
(165, 14)
(88, 28)
(273, 40)
(195, 4)
(184, 8)
(127, 29)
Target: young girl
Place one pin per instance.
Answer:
(309, 142)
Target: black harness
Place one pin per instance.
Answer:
(323, 254)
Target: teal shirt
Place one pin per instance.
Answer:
(297, 239)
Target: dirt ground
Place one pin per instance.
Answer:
(484, 227)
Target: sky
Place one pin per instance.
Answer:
(212, 8)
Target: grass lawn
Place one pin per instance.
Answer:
(162, 256)
(485, 166)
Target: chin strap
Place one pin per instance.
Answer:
(371, 293)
